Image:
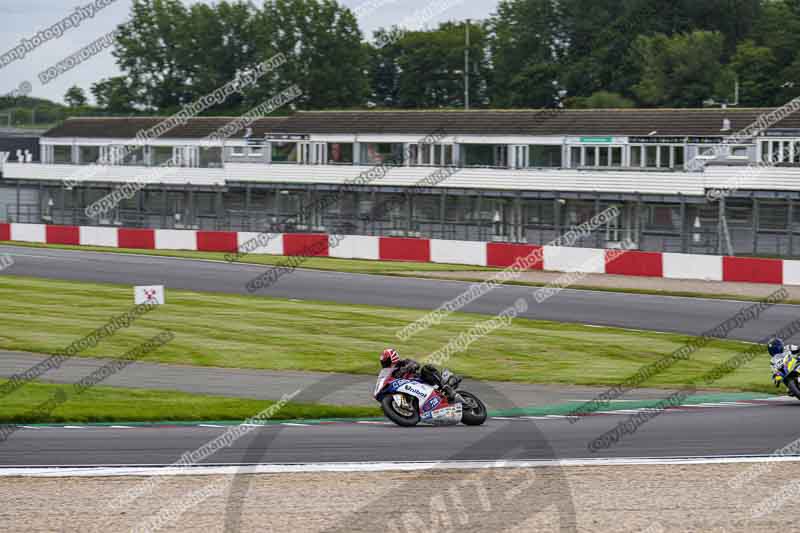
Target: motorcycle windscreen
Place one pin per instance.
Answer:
(382, 378)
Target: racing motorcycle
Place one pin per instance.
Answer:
(786, 371)
(408, 401)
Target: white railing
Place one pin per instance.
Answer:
(115, 174)
(622, 181)
(565, 180)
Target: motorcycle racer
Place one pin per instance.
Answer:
(778, 351)
(410, 394)
(404, 367)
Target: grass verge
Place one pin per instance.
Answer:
(236, 331)
(112, 404)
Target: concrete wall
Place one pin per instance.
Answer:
(550, 258)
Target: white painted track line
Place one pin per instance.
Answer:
(104, 471)
(586, 400)
(773, 399)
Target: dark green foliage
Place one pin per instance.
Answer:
(425, 69)
(528, 53)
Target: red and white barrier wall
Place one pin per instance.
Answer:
(557, 259)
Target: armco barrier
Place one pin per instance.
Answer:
(356, 247)
(752, 270)
(685, 266)
(501, 255)
(306, 244)
(402, 249)
(97, 236)
(265, 243)
(63, 235)
(791, 272)
(217, 241)
(458, 252)
(564, 259)
(175, 239)
(137, 238)
(633, 263)
(28, 232)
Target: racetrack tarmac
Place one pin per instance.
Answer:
(752, 430)
(646, 312)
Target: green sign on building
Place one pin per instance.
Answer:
(597, 139)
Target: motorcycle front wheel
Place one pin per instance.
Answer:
(792, 385)
(473, 411)
(401, 409)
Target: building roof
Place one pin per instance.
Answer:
(21, 132)
(127, 128)
(622, 122)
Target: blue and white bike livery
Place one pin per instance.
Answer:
(409, 401)
(786, 368)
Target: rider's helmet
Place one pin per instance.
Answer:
(389, 357)
(775, 347)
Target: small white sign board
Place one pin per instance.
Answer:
(148, 294)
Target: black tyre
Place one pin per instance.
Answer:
(473, 410)
(399, 414)
(794, 388)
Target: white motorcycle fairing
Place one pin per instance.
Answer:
(429, 399)
(417, 389)
(444, 416)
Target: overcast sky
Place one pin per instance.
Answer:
(24, 18)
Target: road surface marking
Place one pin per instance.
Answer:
(231, 469)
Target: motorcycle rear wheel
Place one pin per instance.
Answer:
(473, 411)
(794, 388)
(401, 417)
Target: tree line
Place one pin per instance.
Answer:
(527, 54)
